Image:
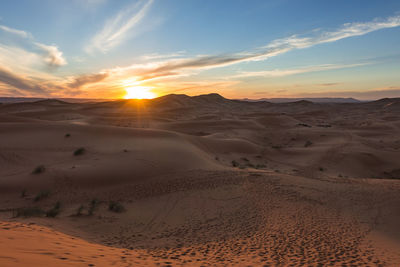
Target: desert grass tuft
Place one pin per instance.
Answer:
(53, 212)
(42, 195)
(79, 151)
(79, 210)
(39, 169)
(23, 193)
(116, 207)
(93, 206)
(308, 143)
(261, 166)
(28, 212)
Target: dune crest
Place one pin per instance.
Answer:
(195, 181)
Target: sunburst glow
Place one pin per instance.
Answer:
(139, 92)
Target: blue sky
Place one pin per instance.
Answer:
(253, 49)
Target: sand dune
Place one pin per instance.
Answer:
(199, 181)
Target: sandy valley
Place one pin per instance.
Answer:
(199, 181)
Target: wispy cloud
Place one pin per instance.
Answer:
(277, 47)
(20, 83)
(52, 55)
(281, 73)
(156, 56)
(19, 59)
(87, 79)
(19, 33)
(328, 84)
(23, 64)
(90, 3)
(118, 28)
(346, 31)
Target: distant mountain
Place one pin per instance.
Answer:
(184, 106)
(201, 98)
(19, 99)
(184, 101)
(314, 100)
(35, 99)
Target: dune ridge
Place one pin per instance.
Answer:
(200, 181)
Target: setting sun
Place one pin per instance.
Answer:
(139, 92)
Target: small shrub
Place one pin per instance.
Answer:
(92, 206)
(308, 143)
(39, 169)
(67, 135)
(23, 193)
(29, 212)
(304, 125)
(79, 151)
(79, 211)
(321, 169)
(245, 159)
(250, 165)
(235, 163)
(116, 207)
(125, 150)
(53, 212)
(260, 166)
(42, 195)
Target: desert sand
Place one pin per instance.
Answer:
(199, 181)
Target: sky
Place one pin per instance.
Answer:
(237, 48)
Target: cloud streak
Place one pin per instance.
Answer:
(52, 55)
(87, 79)
(20, 83)
(156, 56)
(91, 3)
(117, 29)
(277, 47)
(282, 73)
(346, 31)
(16, 32)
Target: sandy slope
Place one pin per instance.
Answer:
(203, 181)
(124, 154)
(32, 245)
(215, 218)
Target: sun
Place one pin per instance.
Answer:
(139, 92)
